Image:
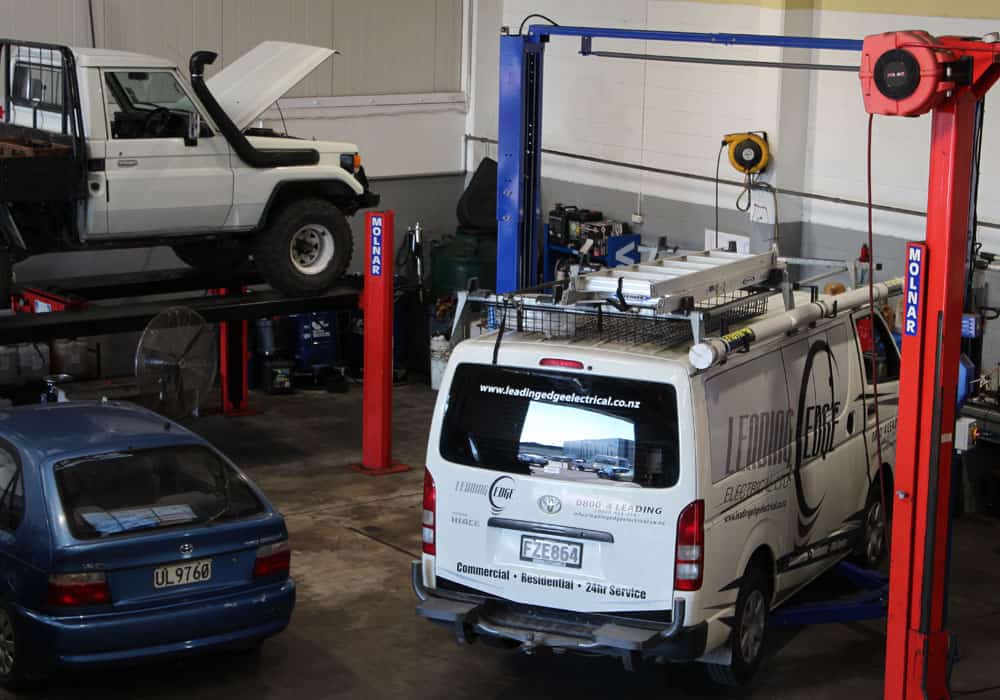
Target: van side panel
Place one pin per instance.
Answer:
(748, 485)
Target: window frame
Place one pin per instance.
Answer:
(208, 129)
(671, 469)
(232, 474)
(865, 362)
(37, 104)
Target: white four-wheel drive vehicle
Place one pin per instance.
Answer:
(719, 491)
(102, 148)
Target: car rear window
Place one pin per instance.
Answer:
(140, 490)
(562, 425)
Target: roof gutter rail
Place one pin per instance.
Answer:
(254, 157)
(713, 351)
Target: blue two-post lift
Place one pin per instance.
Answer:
(519, 148)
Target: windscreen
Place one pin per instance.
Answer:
(127, 492)
(562, 425)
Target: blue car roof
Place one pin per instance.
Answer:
(49, 432)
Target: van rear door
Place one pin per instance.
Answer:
(560, 489)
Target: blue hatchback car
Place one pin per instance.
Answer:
(124, 536)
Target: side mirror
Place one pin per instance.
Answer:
(193, 129)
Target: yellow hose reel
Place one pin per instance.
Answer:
(748, 151)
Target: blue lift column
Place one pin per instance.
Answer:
(519, 150)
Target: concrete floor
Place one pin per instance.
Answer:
(354, 633)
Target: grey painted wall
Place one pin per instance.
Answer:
(683, 223)
(429, 200)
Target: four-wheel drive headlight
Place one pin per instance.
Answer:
(351, 162)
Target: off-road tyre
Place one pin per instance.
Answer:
(284, 251)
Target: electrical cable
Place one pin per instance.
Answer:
(874, 356)
(718, 163)
(520, 30)
(768, 187)
(748, 183)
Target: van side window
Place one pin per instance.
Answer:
(876, 343)
(11, 491)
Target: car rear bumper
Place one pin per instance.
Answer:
(472, 616)
(126, 636)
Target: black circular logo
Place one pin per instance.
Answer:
(897, 74)
(501, 492)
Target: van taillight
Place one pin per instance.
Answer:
(273, 559)
(689, 564)
(560, 362)
(430, 507)
(66, 590)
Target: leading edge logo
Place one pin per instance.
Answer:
(501, 493)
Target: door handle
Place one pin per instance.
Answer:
(128, 163)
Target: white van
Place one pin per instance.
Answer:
(744, 482)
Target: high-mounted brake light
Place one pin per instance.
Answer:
(273, 559)
(428, 530)
(67, 590)
(689, 567)
(559, 362)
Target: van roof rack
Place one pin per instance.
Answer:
(664, 301)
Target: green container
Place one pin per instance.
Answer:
(457, 259)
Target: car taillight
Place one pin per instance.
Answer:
(66, 590)
(430, 507)
(273, 559)
(689, 566)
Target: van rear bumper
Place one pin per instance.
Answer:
(471, 616)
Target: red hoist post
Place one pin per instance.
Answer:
(908, 74)
(234, 357)
(377, 301)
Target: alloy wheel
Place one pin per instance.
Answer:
(7, 644)
(752, 625)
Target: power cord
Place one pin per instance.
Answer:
(520, 30)
(718, 163)
(871, 320)
(768, 187)
(748, 184)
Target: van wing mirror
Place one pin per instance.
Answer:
(193, 129)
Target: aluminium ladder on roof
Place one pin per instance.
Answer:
(670, 284)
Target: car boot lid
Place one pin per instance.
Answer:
(253, 82)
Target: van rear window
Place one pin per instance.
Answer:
(562, 425)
